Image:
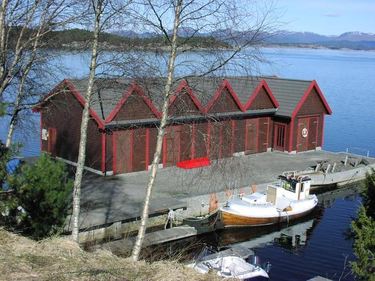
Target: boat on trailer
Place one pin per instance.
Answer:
(285, 200)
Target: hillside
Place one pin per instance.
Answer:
(61, 259)
(350, 40)
(80, 39)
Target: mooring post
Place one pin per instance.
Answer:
(317, 168)
(328, 167)
(333, 167)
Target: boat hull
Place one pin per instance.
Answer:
(234, 220)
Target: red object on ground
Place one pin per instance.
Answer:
(194, 163)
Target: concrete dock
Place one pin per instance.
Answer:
(112, 200)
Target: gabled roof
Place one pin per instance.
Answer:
(313, 85)
(106, 93)
(262, 85)
(287, 95)
(132, 89)
(225, 85)
(247, 89)
(76, 93)
(189, 91)
(291, 94)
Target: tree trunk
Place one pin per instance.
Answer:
(84, 124)
(20, 91)
(154, 167)
(3, 8)
(12, 126)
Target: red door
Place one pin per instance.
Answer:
(302, 134)
(263, 131)
(215, 139)
(313, 133)
(279, 136)
(251, 145)
(139, 150)
(171, 146)
(52, 141)
(123, 143)
(226, 139)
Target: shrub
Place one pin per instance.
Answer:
(364, 232)
(40, 200)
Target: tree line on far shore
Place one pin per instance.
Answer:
(80, 39)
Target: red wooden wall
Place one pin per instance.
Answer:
(132, 149)
(63, 117)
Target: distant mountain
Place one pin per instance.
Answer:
(310, 37)
(352, 40)
(297, 37)
(356, 36)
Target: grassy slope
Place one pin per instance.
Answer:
(60, 259)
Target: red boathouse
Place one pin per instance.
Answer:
(209, 118)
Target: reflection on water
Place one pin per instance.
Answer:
(318, 244)
(288, 236)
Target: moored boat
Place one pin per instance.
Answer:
(234, 263)
(285, 200)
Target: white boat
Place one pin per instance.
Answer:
(231, 263)
(285, 200)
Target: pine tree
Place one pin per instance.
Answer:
(40, 201)
(364, 232)
(369, 195)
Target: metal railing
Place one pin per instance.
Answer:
(358, 151)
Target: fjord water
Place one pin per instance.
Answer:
(319, 244)
(347, 79)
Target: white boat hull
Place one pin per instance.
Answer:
(255, 212)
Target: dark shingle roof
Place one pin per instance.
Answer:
(108, 92)
(288, 93)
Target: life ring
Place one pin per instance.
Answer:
(305, 132)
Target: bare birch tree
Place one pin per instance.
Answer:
(154, 166)
(23, 26)
(98, 8)
(104, 13)
(231, 25)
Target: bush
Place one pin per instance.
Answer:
(40, 199)
(364, 232)
(369, 195)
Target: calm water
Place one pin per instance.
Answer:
(319, 244)
(347, 81)
(326, 249)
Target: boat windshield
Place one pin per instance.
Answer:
(288, 183)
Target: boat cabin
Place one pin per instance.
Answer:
(293, 188)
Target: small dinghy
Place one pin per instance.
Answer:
(232, 263)
(285, 200)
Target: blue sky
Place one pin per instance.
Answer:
(328, 17)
